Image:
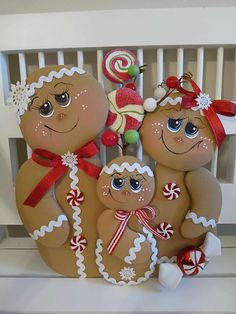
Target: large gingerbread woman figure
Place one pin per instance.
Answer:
(181, 135)
(61, 110)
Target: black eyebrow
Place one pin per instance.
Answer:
(139, 174)
(115, 173)
(31, 103)
(62, 83)
(200, 120)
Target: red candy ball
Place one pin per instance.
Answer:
(191, 261)
(109, 138)
(131, 86)
(171, 81)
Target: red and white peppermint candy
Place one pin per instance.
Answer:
(171, 191)
(116, 63)
(191, 261)
(78, 243)
(165, 229)
(75, 197)
(126, 110)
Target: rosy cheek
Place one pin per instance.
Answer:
(206, 142)
(105, 190)
(141, 199)
(157, 128)
(40, 130)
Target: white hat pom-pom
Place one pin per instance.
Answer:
(149, 104)
(159, 92)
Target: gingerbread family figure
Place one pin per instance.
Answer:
(61, 110)
(181, 132)
(126, 249)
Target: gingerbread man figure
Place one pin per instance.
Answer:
(181, 135)
(126, 249)
(61, 110)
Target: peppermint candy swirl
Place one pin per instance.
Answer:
(191, 261)
(171, 191)
(75, 197)
(165, 229)
(116, 63)
(78, 243)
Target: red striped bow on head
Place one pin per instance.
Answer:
(59, 165)
(144, 215)
(197, 100)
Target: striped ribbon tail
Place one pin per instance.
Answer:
(143, 220)
(119, 232)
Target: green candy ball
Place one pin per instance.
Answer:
(133, 70)
(131, 136)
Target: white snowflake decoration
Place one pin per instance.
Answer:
(203, 101)
(19, 97)
(69, 160)
(127, 273)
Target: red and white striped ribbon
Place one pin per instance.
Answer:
(144, 215)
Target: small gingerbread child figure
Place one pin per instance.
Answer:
(61, 110)
(181, 135)
(126, 249)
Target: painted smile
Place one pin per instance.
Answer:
(114, 198)
(176, 153)
(67, 131)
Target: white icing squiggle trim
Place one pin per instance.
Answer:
(51, 75)
(171, 101)
(49, 228)
(165, 259)
(200, 220)
(147, 274)
(127, 166)
(135, 249)
(77, 222)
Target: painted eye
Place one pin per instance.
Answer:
(135, 185)
(63, 99)
(46, 110)
(117, 183)
(191, 131)
(174, 125)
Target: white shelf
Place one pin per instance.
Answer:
(27, 285)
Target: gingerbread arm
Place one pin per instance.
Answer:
(46, 222)
(107, 226)
(206, 200)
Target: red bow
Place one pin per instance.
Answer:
(51, 160)
(144, 215)
(223, 107)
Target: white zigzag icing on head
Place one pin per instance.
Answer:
(128, 167)
(171, 101)
(51, 75)
(200, 220)
(147, 274)
(49, 228)
(135, 249)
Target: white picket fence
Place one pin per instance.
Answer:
(170, 41)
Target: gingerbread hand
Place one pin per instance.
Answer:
(206, 201)
(46, 222)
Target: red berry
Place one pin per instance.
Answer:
(109, 138)
(171, 81)
(131, 86)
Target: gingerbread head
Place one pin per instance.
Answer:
(184, 130)
(60, 109)
(125, 183)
